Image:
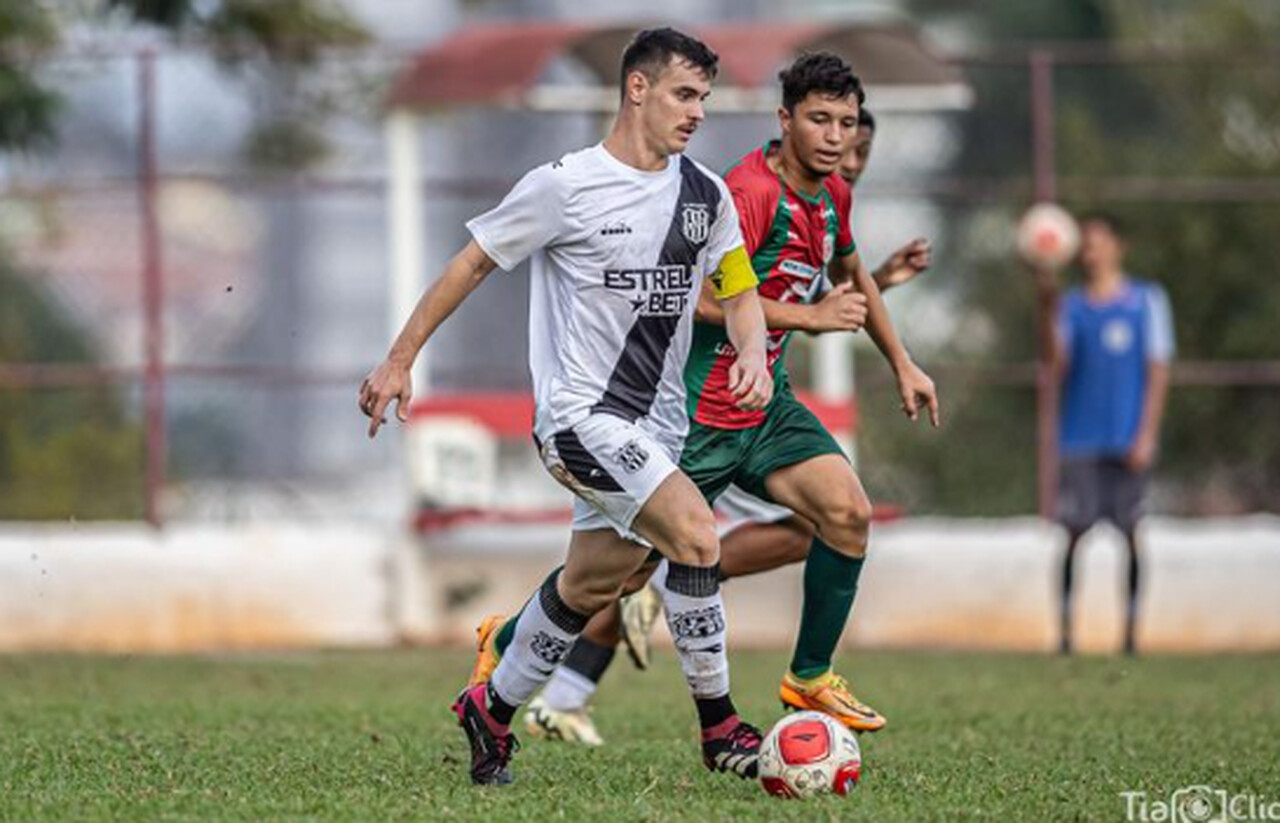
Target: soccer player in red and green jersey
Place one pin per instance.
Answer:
(794, 213)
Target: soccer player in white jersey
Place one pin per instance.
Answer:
(621, 236)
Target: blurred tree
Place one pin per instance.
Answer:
(72, 452)
(63, 452)
(1162, 120)
(277, 48)
(27, 109)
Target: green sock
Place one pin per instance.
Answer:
(830, 584)
(507, 633)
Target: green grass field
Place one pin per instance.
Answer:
(367, 736)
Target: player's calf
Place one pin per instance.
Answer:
(588, 594)
(760, 547)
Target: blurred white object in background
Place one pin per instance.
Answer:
(453, 462)
(1048, 236)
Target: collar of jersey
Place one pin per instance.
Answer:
(673, 162)
(1124, 293)
(764, 153)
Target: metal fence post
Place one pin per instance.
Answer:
(152, 290)
(1045, 189)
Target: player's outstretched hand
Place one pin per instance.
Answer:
(750, 382)
(841, 309)
(905, 263)
(389, 381)
(918, 392)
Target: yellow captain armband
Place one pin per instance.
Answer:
(734, 275)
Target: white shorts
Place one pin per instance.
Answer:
(612, 465)
(736, 508)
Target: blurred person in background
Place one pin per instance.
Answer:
(914, 257)
(1112, 344)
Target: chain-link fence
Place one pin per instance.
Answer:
(183, 331)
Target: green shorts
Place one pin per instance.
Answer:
(713, 458)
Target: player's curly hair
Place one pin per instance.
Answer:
(652, 49)
(823, 72)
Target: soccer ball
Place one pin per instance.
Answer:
(1048, 236)
(809, 753)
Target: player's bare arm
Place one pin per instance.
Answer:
(914, 386)
(733, 284)
(749, 378)
(904, 264)
(391, 379)
(1048, 294)
(840, 309)
(1143, 452)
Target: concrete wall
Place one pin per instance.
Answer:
(125, 588)
(969, 584)
(1210, 585)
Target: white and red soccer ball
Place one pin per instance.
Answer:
(1048, 236)
(807, 754)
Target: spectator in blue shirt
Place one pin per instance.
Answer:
(1112, 346)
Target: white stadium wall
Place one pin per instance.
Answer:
(125, 588)
(966, 584)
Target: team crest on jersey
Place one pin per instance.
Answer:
(695, 222)
(1117, 336)
(631, 457)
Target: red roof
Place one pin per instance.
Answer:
(497, 63)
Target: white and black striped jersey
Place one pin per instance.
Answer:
(618, 260)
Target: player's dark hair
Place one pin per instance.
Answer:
(651, 50)
(1113, 223)
(823, 72)
(866, 120)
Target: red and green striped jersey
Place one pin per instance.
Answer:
(791, 238)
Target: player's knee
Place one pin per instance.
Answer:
(847, 525)
(694, 541)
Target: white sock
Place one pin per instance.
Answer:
(545, 630)
(695, 616)
(568, 691)
(659, 577)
